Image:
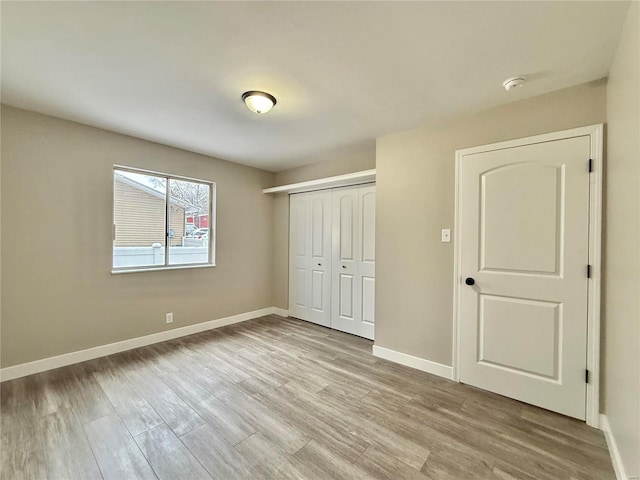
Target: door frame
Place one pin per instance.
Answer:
(595, 132)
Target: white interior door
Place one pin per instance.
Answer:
(310, 257)
(524, 219)
(353, 277)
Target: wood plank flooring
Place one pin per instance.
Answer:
(277, 398)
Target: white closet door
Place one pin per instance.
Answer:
(310, 257)
(299, 291)
(320, 257)
(367, 258)
(353, 276)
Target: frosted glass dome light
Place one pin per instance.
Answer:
(258, 102)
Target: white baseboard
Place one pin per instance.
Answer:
(616, 459)
(37, 366)
(414, 362)
(280, 311)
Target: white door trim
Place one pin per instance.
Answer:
(595, 132)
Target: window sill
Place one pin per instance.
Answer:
(156, 269)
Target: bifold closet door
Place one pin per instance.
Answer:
(310, 257)
(353, 273)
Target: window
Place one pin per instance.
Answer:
(161, 221)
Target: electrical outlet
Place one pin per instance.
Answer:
(446, 235)
(169, 317)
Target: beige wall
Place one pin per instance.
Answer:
(621, 294)
(363, 160)
(57, 192)
(415, 200)
(1, 337)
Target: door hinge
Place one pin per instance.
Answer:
(586, 376)
(590, 165)
(588, 271)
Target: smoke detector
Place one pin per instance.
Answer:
(514, 82)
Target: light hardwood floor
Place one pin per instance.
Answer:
(277, 398)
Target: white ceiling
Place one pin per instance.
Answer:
(343, 72)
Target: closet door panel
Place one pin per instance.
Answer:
(317, 291)
(368, 209)
(346, 247)
(299, 256)
(347, 226)
(320, 257)
(346, 289)
(367, 259)
(368, 300)
(301, 289)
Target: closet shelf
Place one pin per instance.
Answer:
(356, 178)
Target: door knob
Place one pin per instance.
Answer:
(344, 266)
(319, 264)
(469, 281)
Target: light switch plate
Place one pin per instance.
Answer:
(446, 235)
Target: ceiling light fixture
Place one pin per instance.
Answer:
(258, 102)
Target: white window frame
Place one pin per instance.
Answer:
(167, 266)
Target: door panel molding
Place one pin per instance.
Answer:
(490, 233)
(353, 284)
(310, 257)
(595, 134)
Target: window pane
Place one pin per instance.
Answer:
(139, 213)
(189, 233)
